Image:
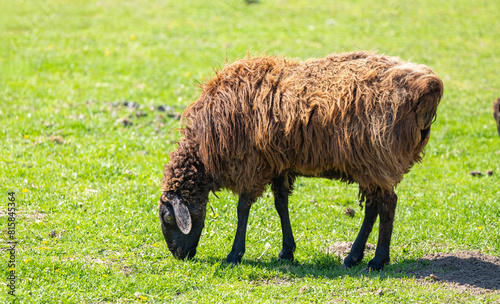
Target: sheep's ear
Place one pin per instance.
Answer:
(182, 216)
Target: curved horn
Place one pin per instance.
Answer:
(181, 213)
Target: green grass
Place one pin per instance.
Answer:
(65, 66)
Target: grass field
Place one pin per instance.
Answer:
(85, 166)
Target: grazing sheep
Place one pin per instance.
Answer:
(357, 117)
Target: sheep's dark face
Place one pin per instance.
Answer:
(181, 224)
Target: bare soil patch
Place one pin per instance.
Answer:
(468, 271)
(464, 271)
(343, 248)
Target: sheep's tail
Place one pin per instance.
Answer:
(496, 114)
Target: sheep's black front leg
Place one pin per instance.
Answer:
(281, 193)
(386, 207)
(238, 249)
(358, 248)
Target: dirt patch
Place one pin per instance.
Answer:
(468, 271)
(36, 216)
(342, 249)
(464, 271)
(56, 234)
(128, 270)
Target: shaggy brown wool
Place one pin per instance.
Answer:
(358, 117)
(496, 114)
(185, 173)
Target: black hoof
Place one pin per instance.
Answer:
(351, 261)
(233, 258)
(377, 264)
(285, 256)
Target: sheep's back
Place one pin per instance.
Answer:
(351, 113)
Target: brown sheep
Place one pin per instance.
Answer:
(496, 115)
(358, 117)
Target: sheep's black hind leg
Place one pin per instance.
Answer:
(386, 207)
(238, 249)
(357, 251)
(281, 193)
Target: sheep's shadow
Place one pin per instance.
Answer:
(469, 272)
(323, 267)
